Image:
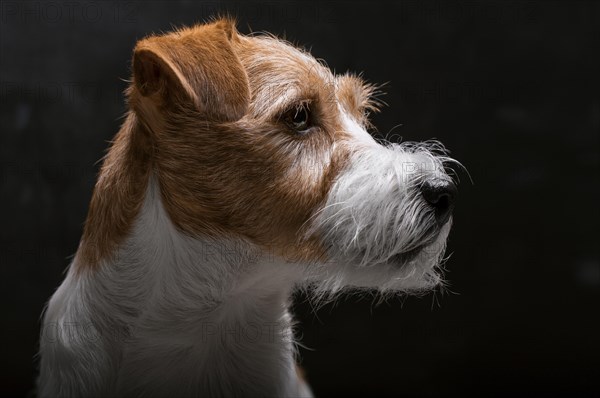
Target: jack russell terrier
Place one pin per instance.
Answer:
(242, 170)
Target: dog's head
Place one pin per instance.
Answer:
(253, 138)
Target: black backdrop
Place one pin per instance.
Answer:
(511, 88)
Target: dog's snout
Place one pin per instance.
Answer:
(440, 194)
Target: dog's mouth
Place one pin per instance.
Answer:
(405, 257)
(422, 251)
(398, 259)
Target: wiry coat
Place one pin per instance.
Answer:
(209, 209)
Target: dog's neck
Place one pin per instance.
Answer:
(213, 310)
(215, 306)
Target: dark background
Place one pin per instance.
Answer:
(512, 88)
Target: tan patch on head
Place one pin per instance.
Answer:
(208, 105)
(254, 177)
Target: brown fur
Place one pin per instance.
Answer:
(358, 97)
(206, 107)
(118, 194)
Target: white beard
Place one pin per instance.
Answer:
(378, 229)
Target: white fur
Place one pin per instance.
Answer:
(375, 211)
(359, 134)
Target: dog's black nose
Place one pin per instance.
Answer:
(440, 194)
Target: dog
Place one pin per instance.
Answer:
(243, 170)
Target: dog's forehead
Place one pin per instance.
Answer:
(279, 72)
(264, 54)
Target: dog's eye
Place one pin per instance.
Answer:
(298, 118)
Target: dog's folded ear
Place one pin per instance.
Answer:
(196, 64)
